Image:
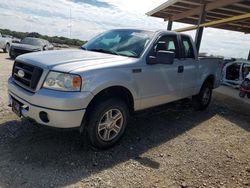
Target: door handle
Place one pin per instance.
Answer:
(180, 69)
(136, 70)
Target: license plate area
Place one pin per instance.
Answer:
(16, 107)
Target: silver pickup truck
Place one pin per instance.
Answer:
(118, 72)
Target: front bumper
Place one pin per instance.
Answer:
(16, 51)
(61, 108)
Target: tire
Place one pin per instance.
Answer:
(104, 129)
(7, 48)
(242, 94)
(248, 95)
(12, 56)
(203, 99)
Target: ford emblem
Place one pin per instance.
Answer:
(21, 73)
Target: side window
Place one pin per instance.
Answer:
(167, 43)
(187, 47)
(233, 71)
(245, 70)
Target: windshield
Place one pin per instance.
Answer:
(129, 43)
(32, 41)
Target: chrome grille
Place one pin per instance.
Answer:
(26, 75)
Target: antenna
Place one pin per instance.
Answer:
(70, 24)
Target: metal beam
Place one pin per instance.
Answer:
(190, 2)
(217, 22)
(161, 7)
(242, 5)
(209, 6)
(240, 23)
(170, 24)
(199, 31)
(232, 10)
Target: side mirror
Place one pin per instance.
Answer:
(162, 57)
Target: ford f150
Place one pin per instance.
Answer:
(118, 72)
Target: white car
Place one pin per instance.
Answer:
(235, 72)
(5, 43)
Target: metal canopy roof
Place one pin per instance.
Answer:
(188, 11)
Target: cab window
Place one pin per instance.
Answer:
(167, 43)
(188, 50)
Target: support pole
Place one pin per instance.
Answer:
(248, 56)
(199, 31)
(170, 24)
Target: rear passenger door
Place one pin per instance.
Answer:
(191, 66)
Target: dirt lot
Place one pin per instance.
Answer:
(171, 146)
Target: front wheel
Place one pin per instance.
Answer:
(107, 123)
(7, 48)
(12, 55)
(203, 99)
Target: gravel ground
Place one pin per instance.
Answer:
(171, 146)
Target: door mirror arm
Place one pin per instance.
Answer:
(152, 60)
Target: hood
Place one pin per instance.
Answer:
(26, 47)
(69, 60)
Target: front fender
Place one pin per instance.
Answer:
(99, 80)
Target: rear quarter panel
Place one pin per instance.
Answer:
(209, 66)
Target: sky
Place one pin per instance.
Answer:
(91, 17)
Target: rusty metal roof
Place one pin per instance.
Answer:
(188, 11)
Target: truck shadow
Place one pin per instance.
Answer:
(29, 151)
(9, 59)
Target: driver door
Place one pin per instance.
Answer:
(161, 83)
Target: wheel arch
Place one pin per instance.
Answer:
(116, 92)
(113, 91)
(7, 43)
(209, 79)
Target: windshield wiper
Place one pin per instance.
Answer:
(104, 51)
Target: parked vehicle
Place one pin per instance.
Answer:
(118, 72)
(29, 44)
(13, 39)
(245, 87)
(235, 72)
(5, 43)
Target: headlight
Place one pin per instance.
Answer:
(63, 81)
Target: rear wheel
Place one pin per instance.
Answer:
(7, 48)
(242, 94)
(107, 123)
(248, 95)
(203, 99)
